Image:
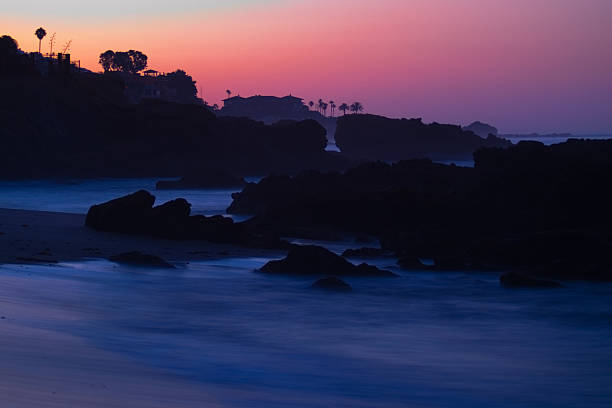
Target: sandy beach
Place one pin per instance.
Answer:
(48, 237)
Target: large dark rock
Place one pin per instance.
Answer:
(124, 214)
(137, 258)
(316, 260)
(380, 138)
(519, 280)
(135, 214)
(332, 284)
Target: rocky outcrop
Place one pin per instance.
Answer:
(519, 280)
(380, 138)
(543, 209)
(332, 284)
(135, 214)
(315, 260)
(136, 258)
(124, 214)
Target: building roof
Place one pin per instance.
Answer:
(264, 97)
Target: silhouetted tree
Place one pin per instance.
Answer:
(186, 90)
(107, 59)
(138, 61)
(40, 34)
(320, 104)
(131, 62)
(122, 62)
(356, 107)
(332, 105)
(311, 104)
(215, 107)
(229, 93)
(8, 53)
(324, 107)
(344, 107)
(8, 46)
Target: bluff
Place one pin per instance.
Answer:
(80, 125)
(379, 138)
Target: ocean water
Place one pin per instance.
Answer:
(550, 140)
(421, 340)
(76, 196)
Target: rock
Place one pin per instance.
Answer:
(137, 258)
(316, 260)
(365, 252)
(481, 129)
(125, 214)
(519, 280)
(202, 180)
(332, 284)
(379, 138)
(134, 214)
(410, 262)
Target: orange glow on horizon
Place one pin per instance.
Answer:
(438, 59)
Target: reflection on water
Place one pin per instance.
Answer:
(425, 339)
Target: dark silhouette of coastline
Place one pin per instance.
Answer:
(82, 126)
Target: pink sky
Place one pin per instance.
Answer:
(522, 65)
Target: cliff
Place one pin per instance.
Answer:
(81, 125)
(380, 138)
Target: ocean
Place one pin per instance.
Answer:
(425, 339)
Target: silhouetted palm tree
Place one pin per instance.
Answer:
(356, 107)
(321, 106)
(344, 107)
(40, 34)
(311, 104)
(229, 93)
(332, 105)
(324, 107)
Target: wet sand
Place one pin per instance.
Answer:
(48, 237)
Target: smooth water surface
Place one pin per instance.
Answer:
(422, 340)
(76, 196)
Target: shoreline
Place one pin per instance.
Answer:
(42, 237)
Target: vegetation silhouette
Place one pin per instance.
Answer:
(40, 34)
(356, 107)
(344, 107)
(131, 62)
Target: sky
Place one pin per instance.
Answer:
(521, 65)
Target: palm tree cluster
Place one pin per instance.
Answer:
(355, 107)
